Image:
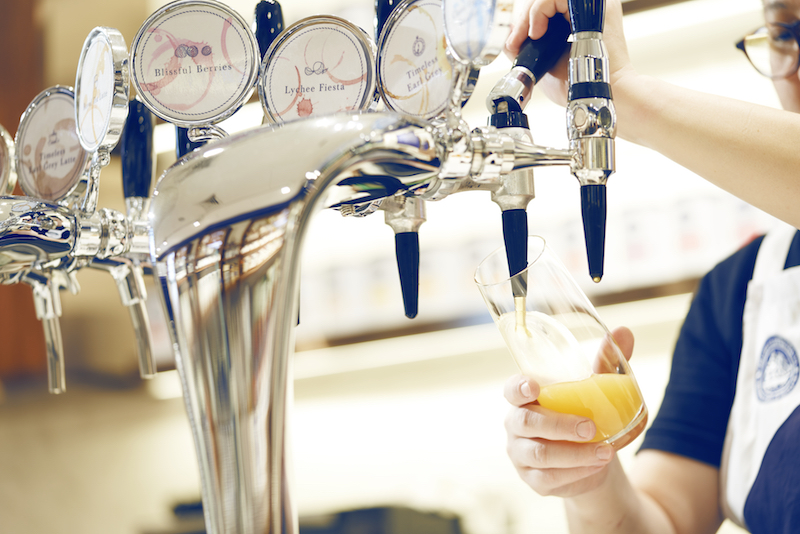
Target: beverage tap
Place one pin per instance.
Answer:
(414, 78)
(128, 271)
(591, 120)
(103, 117)
(43, 244)
(404, 215)
(37, 235)
(506, 103)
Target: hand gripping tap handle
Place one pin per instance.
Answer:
(539, 56)
(268, 23)
(136, 148)
(591, 123)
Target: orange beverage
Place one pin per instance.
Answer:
(611, 400)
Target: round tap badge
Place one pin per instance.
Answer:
(319, 65)
(414, 74)
(49, 157)
(101, 89)
(194, 62)
(8, 174)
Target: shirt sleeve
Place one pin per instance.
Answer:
(693, 416)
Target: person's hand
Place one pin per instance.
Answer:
(532, 20)
(550, 450)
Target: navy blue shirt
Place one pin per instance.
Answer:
(693, 417)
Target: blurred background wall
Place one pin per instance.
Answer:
(389, 412)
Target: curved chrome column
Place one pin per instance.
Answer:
(228, 226)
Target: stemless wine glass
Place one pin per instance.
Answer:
(557, 338)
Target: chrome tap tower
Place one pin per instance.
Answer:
(224, 227)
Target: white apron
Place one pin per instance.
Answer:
(766, 385)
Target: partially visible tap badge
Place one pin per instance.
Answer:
(778, 369)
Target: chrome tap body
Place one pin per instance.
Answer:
(591, 117)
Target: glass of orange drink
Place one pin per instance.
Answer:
(557, 338)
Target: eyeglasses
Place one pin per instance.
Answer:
(774, 49)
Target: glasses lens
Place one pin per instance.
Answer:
(773, 51)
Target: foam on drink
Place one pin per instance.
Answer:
(543, 348)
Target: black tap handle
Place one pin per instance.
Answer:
(269, 23)
(593, 208)
(587, 15)
(541, 55)
(184, 145)
(407, 250)
(383, 8)
(136, 150)
(515, 237)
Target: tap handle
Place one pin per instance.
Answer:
(136, 150)
(268, 23)
(541, 55)
(405, 215)
(512, 92)
(48, 310)
(586, 15)
(184, 145)
(593, 211)
(515, 237)
(383, 8)
(407, 250)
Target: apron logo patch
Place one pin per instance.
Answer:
(778, 369)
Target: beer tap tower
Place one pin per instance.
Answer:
(225, 225)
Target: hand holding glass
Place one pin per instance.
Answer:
(557, 339)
